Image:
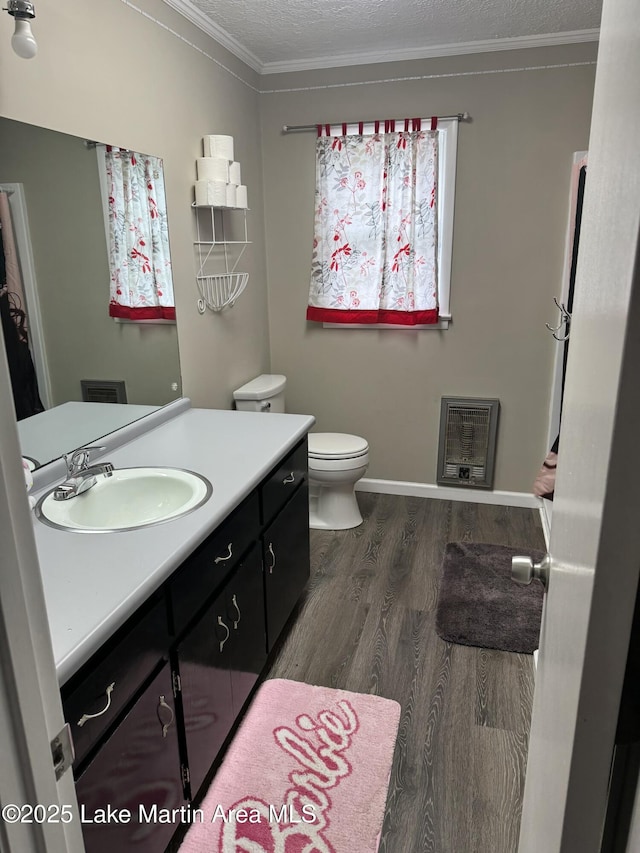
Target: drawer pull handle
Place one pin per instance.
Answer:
(273, 558)
(228, 557)
(86, 717)
(236, 622)
(290, 479)
(165, 726)
(222, 625)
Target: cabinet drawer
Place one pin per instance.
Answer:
(97, 694)
(210, 565)
(283, 482)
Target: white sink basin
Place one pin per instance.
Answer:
(129, 498)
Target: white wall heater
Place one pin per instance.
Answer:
(467, 444)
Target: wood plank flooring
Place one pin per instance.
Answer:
(367, 623)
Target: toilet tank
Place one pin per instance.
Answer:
(265, 393)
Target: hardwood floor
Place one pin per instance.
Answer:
(367, 624)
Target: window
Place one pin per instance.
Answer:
(384, 226)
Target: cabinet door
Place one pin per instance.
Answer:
(204, 659)
(245, 611)
(137, 768)
(286, 562)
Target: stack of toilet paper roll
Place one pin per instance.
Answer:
(218, 178)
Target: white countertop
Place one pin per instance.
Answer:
(94, 582)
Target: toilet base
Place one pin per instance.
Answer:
(334, 507)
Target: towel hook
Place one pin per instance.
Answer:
(565, 320)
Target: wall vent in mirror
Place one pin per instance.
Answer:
(103, 391)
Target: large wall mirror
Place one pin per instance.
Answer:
(82, 354)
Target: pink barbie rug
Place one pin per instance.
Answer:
(307, 772)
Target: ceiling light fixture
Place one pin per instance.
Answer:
(22, 40)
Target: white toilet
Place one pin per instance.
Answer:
(336, 460)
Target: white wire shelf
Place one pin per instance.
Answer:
(222, 243)
(220, 290)
(218, 207)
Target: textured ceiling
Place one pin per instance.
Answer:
(318, 33)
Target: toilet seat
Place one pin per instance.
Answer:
(338, 446)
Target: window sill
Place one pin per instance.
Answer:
(127, 322)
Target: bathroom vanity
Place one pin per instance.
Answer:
(160, 634)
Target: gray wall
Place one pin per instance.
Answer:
(514, 161)
(113, 75)
(66, 223)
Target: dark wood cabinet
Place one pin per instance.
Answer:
(283, 481)
(206, 570)
(245, 612)
(139, 772)
(204, 662)
(286, 562)
(219, 662)
(183, 667)
(96, 696)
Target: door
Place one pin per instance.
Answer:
(137, 769)
(204, 659)
(595, 534)
(22, 236)
(286, 562)
(30, 705)
(245, 618)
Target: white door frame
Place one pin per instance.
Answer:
(22, 234)
(595, 534)
(579, 159)
(30, 705)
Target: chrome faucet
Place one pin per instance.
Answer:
(80, 475)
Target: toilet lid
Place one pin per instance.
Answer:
(336, 445)
(261, 388)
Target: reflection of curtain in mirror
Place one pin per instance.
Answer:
(14, 321)
(139, 260)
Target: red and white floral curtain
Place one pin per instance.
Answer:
(139, 259)
(376, 237)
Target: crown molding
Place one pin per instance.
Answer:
(222, 37)
(197, 17)
(459, 49)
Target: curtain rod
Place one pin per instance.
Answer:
(304, 128)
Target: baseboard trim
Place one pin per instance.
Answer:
(448, 493)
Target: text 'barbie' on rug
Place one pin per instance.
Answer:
(307, 771)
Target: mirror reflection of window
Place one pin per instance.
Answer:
(141, 282)
(52, 181)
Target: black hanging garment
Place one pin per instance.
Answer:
(23, 375)
(24, 383)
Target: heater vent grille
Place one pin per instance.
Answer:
(467, 445)
(103, 391)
